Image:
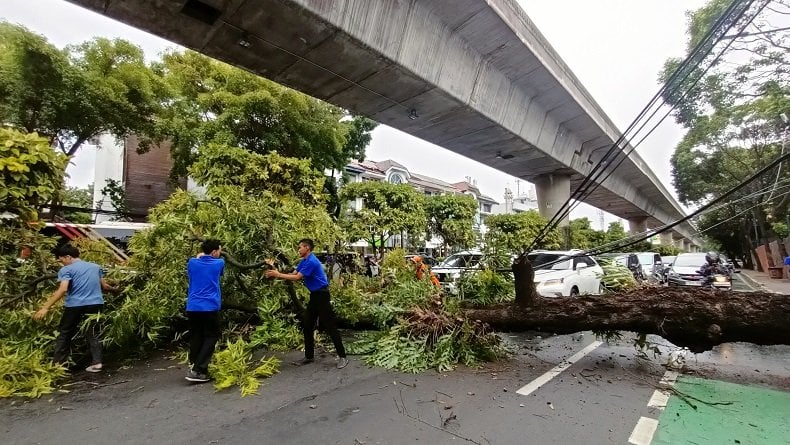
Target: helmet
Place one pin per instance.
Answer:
(712, 257)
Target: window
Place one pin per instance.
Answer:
(397, 178)
(487, 208)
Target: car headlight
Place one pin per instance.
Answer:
(721, 279)
(673, 274)
(554, 282)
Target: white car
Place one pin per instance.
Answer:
(567, 273)
(449, 271)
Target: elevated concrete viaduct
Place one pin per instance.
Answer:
(473, 76)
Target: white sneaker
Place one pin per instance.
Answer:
(342, 363)
(94, 368)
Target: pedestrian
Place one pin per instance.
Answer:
(787, 266)
(319, 307)
(203, 303)
(81, 282)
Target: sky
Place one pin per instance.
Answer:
(615, 47)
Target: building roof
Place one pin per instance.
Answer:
(379, 168)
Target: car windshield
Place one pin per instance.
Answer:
(667, 259)
(621, 260)
(689, 261)
(645, 259)
(462, 260)
(550, 261)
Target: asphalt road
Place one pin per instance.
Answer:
(598, 399)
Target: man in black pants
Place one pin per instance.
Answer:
(203, 304)
(82, 283)
(319, 307)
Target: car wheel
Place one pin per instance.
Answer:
(574, 291)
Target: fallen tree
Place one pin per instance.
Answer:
(695, 318)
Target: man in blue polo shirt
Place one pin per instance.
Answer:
(318, 308)
(82, 283)
(203, 304)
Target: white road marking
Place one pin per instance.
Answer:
(555, 371)
(643, 432)
(669, 378)
(646, 427)
(659, 399)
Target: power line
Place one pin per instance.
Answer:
(737, 9)
(680, 99)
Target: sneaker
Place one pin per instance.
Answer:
(94, 368)
(304, 361)
(197, 377)
(342, 363)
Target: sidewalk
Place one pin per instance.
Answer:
(760, 280)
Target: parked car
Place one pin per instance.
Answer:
(565, 273)
(449, 271)
(652, 266)
(426, 259)
(667, 260)
(629, 260)
(685, 272)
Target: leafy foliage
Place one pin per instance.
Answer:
(515, 232)
(431, 339)
(81, 198)
(116, 192)
(583, 236)
(234, 366)
(72, 95)
(31, 173)
(27, 372)
(212, 102)
(733, 118)
(387, 209)
(452, 218)
(616, 277)
(486, 287)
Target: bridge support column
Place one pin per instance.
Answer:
(637, 225)
(666, 239)
(553, 191)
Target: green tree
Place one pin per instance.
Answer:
(515, 232)
(387, 209)
(81, 198)
(734, 126)
(583, 236)
(615, 232)
(212, 102)
(72, 95)
(31, 173)
(451, 217)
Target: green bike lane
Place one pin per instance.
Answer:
(701, 411)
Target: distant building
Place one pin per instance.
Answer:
(144, 177)
(395, 173)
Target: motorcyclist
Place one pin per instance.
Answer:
(712, 267)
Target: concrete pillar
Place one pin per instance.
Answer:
(553, 191)
(666, 239)
(637, 225)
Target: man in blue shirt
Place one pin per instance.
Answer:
(203, 304)
(82, 283)
(318, 308)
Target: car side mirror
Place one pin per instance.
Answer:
(581, 266)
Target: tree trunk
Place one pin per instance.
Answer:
(524, 278)
(695, 318)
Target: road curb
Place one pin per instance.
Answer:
(751, 281)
